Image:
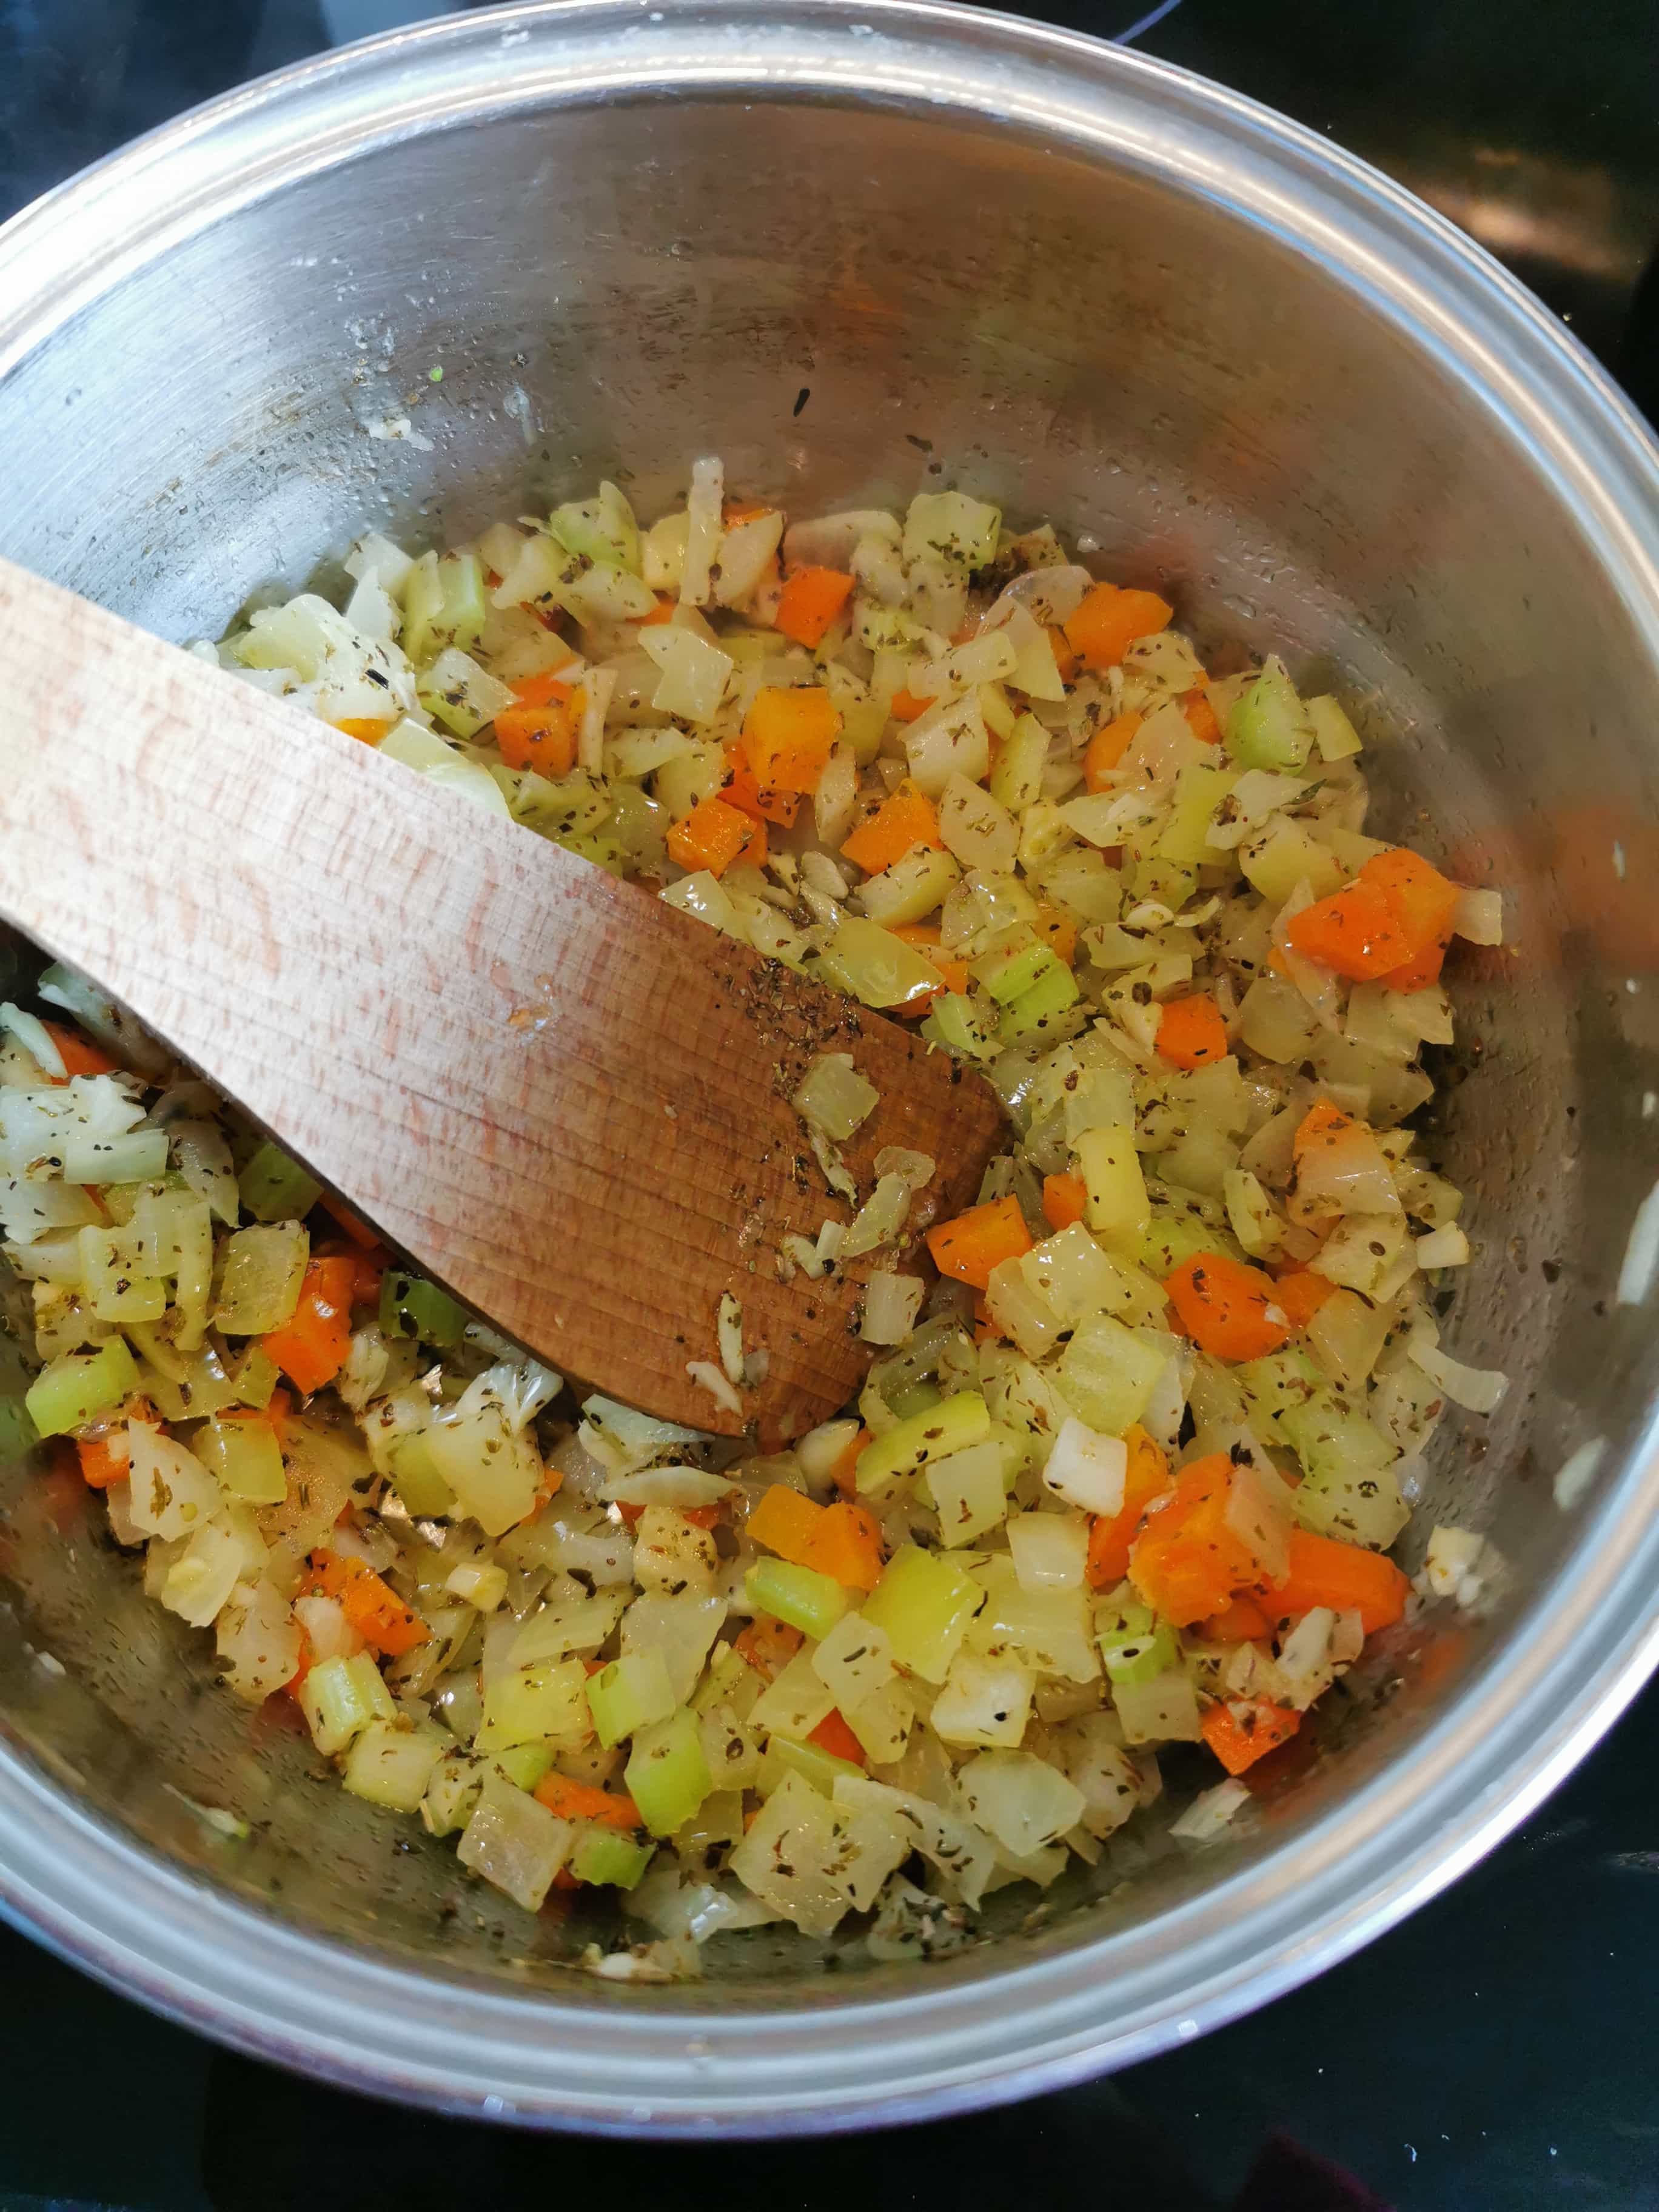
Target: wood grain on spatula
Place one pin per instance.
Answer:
(564, 1100)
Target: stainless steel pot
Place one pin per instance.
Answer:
(859, 250)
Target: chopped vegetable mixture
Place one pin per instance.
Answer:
(1143, 1423)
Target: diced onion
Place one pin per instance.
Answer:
(1479, 916)
(1479, 1390)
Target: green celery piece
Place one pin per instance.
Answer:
(1200, 789)
(1008, 975)
(602, 529)
(1026, 1017)
(464, 608)
(952, 1425)
(524, 1764)
(1268, 727)
(605, 1856)
(254, 1376)
(417, 1479)
(924, 1602)
(667, 1773)
(1106, 1374)
(339, 1698)
(1138, 1654)
(1016, 780)
(1279, 1384)
(410, 1306)
(819, 1767)
(800, 1595)
(423, 602)
(915, 1398)
(71, 1390)
(245, 1457)
(954, 1022)
(276, 1189)
(629, 1694)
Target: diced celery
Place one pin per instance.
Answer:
(254, 1376)
(800, 1595)
(410, 1306)
(968, 1491)
(1200, 789)
(785, 1756)
(391, 1764)
(1268, 727)
(1164, 1710)
(606, 1856)
(1016, 779)
(871, 964)
(1338, 739)
(954, 1022)
(274, 1188)
(452, 1792)
(1115, 1207)
(601, 529)
(1008, 975)
(1279, 1384)
(71, 1390)
(668, 1775)
(630, 1694)
(113, 1284)
(340, 1696)
(260, 1270)
(1035, 1014)
(524, 1764)
(243, 1452)
(1284, 853)
(458, 693)
(923, 1604)
(543, 1703)
(1141, 1647)
(417, 1479)
(1106, 1375)
(911, 889)
(1348, 1489)
(951, 1426)
(462, 608)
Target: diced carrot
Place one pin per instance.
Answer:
(1320, 1125)
(99, 1465)
(786, 1522)
(311, 1349)
(1191, 1032)
(970, 1247)
(1065, 660)
(1243, 1622)
(769, 1645)
(368, 1267)
(898, 825)
(662, 612)
(1416, 975)
(1057, 927)
(1108, 620)
(1111, 1536)
(1223, 1306)
(1241, 1733)
(1107, 748)
(907, 708)
(812, 597)
(743, 792)
(832, 1734)
(848, 1546)
(79, 1055)
(735, 510)
(1300, 1293)
(580, 1801)
(844, 1474)
(1063, 1200)
(1354, 932)
(368, 729)
(540, 731)
(1348, 1578)
(1422, 900)
(344, 1218)
(700, 1517)
(277, 1408)
(1201, 717)
(307, 1659)
(712, 836)
(1187, 1563)
(788, 734)
(369, 1603)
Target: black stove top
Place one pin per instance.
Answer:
(1495, 2052)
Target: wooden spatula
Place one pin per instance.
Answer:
(564, 1100)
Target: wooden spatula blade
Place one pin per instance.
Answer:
(562, 1099)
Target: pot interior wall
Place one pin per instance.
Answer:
(850, 307)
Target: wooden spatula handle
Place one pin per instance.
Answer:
(561, 1097)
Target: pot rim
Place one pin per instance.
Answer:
(950, 2040)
